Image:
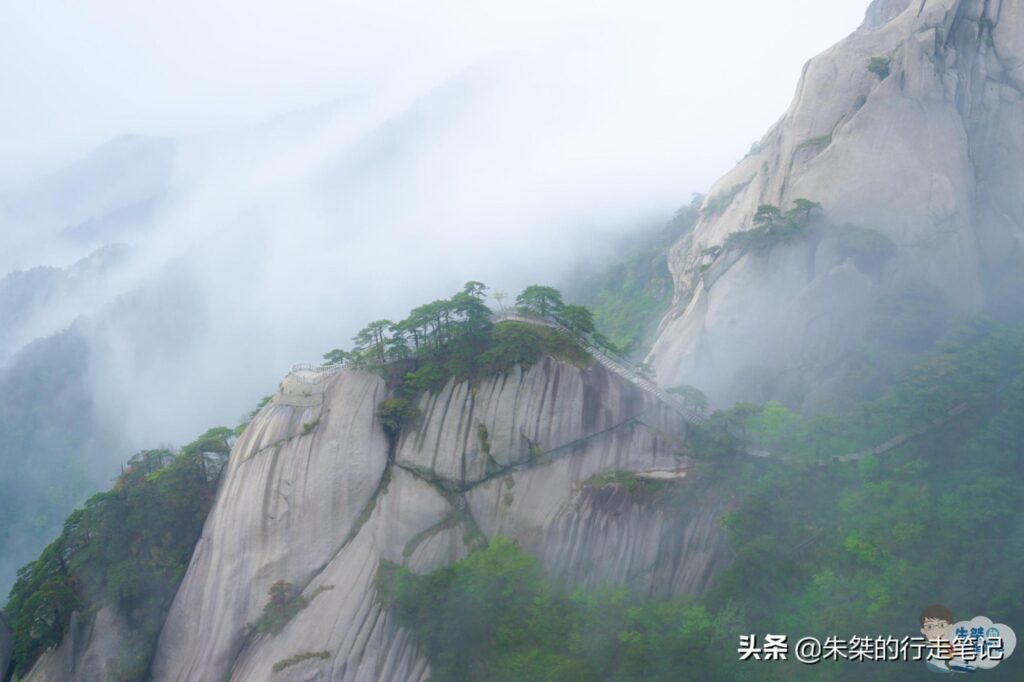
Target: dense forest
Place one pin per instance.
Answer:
(49, 445)
(126, 549)
(632, 289)
(848, 523)
(824, 545)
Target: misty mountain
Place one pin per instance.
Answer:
(35, 302)
(52, 451)
(95, 202)
(196, 270)
(466, 492)
(909, 133)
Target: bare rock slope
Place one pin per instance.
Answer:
(316, 495)
(911, 129)
(89, 651)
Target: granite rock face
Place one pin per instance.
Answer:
(90, 647)
(315, 495)
(298, 481)
(912, 128)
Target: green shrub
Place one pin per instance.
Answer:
(639, 489)
(512, 343)
(126, 548)
(496, 615)
(456, 339)
(773, 227)
(283, 602)
(879, 66)
(624, 477)
(483, 439)
(396, 414)
(563, 346)
(431, 376)
(299, 658)
(764, 238)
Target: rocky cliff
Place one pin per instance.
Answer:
(910, 133)
(316, 495)
(89, 650)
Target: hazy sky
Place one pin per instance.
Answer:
(461, 140)
(711, 76)
(345, 162)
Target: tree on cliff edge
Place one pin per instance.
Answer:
(539, 300)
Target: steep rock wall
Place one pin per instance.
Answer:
(91, 646)
(468, 432)
(298, 480)
(444, 487)
(928, 155)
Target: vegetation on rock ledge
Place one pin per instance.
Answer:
(880, 67)
(633, 290)
(284, 601)
(496, 615)
(126, 549)
(821, 547)
(458, 338)
(773, 226)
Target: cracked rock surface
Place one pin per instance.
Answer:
(315, 495)
(928, 155)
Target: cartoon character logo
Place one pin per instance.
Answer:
(964, 646)
(936, 625)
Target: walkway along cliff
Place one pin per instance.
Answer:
(317, 496)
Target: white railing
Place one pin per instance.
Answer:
(306, 373)
(311, 374)
(612, 364)
(630, 374)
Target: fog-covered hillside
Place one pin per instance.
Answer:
(793, 404)
(909, 134)
(193, 271)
